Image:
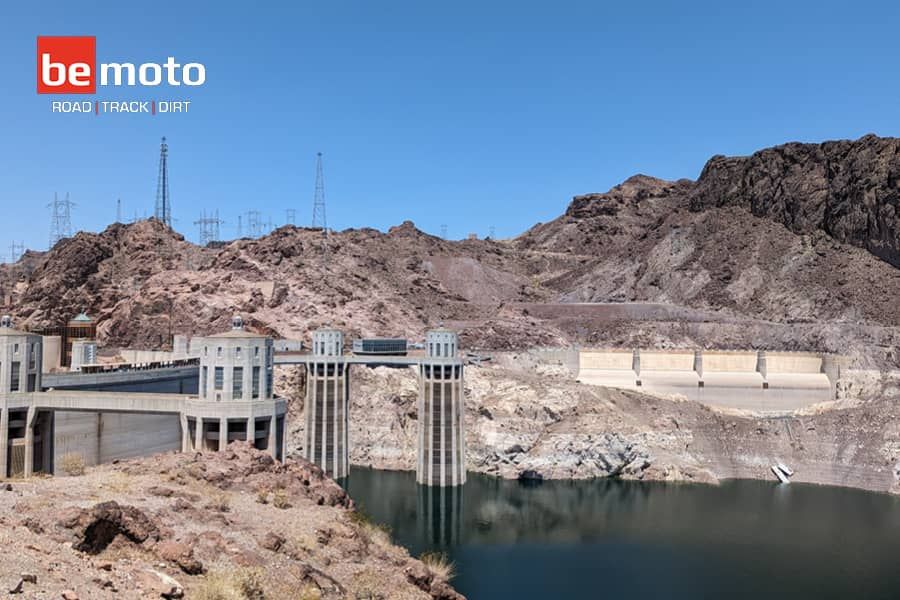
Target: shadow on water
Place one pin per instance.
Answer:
(587, 539)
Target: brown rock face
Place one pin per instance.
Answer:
(848, 189)
(96, 528)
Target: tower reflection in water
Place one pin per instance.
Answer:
(439, 514)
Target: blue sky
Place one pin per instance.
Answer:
(469, 114)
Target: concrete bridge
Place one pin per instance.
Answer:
(441, 452)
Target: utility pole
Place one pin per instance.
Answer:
(290, 215)
(60, 219)
(163, 212)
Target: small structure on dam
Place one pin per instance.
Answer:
(39, 426)
(441, 429)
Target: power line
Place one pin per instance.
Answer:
(60, 219)
(163, 212)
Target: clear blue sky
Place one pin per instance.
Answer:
(471, 114)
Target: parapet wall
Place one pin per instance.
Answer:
(746, 379)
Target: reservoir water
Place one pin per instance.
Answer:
(612, 539)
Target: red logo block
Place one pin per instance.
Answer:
(66, 65)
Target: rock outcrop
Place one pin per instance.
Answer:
(231, 524)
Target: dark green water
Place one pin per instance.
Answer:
(608, 539)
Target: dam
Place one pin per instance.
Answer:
(763, 381)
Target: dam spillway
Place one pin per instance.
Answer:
(760, 380)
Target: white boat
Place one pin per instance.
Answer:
(785, 469)
(782, 477)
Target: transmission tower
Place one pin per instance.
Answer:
(491, 233)
(318, 219)
(443, 232)
(254, 225)
(209, 227)
(118, 210)
(163, 210)
(16, 250)
(269, 226)
(60, 219)
(290, 216)
(240, 227)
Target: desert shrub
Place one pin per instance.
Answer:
(232, 584)
(280, 499)
(220, 502)
(262, 495)
(439, 565)
(72, 463)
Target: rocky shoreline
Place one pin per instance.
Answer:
(541, 424)
(234, 524)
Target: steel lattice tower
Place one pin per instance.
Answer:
(60, 219)
(209, 227)
(318, 219)
(163, 210)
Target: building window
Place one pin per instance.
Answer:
(205, 350)
(15, 348)
(220, 378)
(256, 351)
(268, 391)
(31, 358)
(255, 383)
(203, 382)
(237, 352)
(14, 385)
(32, 382)
(219, 352)
(237, 383)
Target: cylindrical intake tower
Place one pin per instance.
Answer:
(442, 445)
(327, 395)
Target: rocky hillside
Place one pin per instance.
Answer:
(214, 525)
(793, 247)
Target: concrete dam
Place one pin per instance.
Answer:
(742, 379)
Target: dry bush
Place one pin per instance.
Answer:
(262, 495)
(230, 584)
(72, 464)
(439, 565)
(220, 502)
(280, 499)
(310, 592)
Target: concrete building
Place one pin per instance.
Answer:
(96, 421)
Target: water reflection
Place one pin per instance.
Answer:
(558, 538)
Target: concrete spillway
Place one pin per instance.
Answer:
(750, 380)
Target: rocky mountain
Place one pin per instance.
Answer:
(792, 247)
